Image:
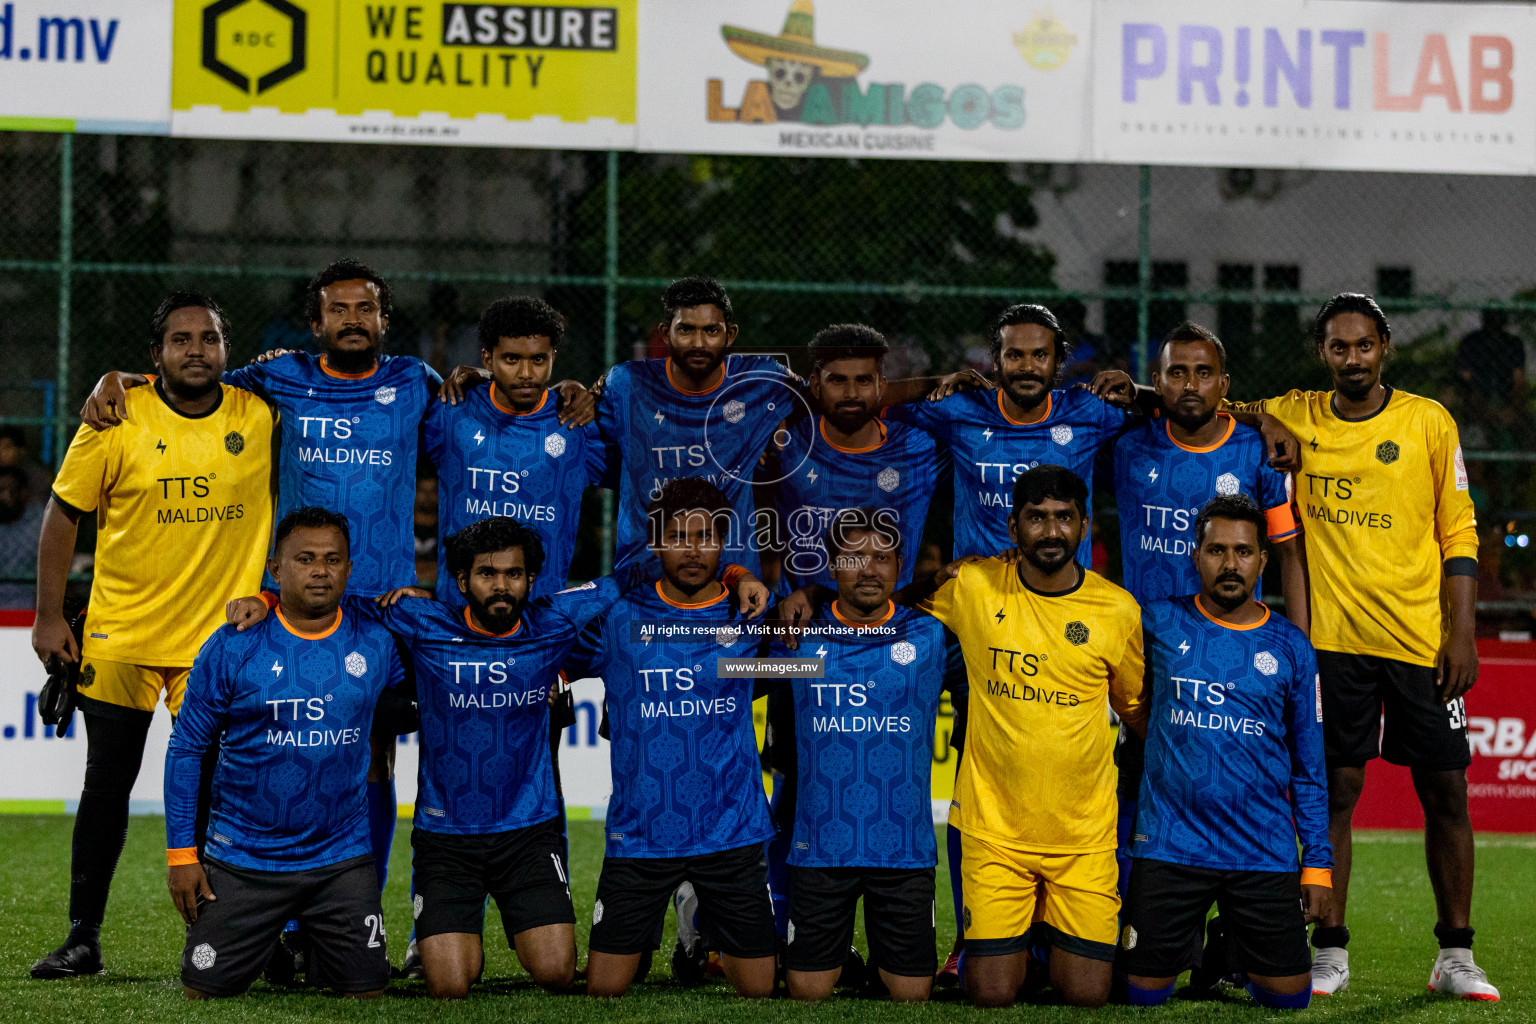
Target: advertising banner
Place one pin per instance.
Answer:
(1340, 85)
(902, 78)
(442, 73)
(85, 66)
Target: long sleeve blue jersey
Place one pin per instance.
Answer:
(1234, 764)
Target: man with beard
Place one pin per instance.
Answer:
(288, 702)
(704, 412)
(1390, 533)
(1165, 468)
(182, 495)
(1234, 778)
(20, 525)
(859, 830)
(1046, 643)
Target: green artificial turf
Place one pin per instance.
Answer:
(1391, 914)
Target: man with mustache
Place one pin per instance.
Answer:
(182, 496)
(1390, 532)
(1046, 642)
(1234, 778)
(289, 703)
(1165, 469)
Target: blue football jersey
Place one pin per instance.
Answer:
(484, 701)
(290, 714)
(492, 461)
(686, 776)
(348, 443)
(864, 741)
(1161, 486)
(662, 432)
(1234, 762)
(990, 451)
(815, 479)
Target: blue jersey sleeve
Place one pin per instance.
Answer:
(613, 407)
(601, 458)
(589, 655)
(204, 709)
(1275, 500)
(1309, 777)
(435, 430)
(925, 415)
(252, 377)
(580, 605)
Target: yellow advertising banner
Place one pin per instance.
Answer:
(349, 70)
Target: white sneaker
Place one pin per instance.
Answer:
(1330, 971)
(1455, 974)
(686, 903)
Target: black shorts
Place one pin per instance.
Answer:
(1361, 690)
(735, 906)
(898, 918)
(338, 911)
(522, 870)
(1164, 919)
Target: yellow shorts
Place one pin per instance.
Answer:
(133, 686)
(1015, 899)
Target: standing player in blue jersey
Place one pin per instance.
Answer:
(290, 702)
(1235, 778)
(863, 733)
(688, 799)
(1166, 468)
(503, 450)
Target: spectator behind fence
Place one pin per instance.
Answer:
(1491, 360)
(20, 524)
(14, 453)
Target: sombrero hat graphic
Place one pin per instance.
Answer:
(797, 42)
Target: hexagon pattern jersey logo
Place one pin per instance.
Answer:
(1076, 634)
(87, 677)
(554, 446)
(355, 664)
(203, 956)
(725, 636)
(1062, 434)
(734, 411)
(903, 653)
(276, 18)
(384, 395)
(234, 442)
(1266, 663)
(1387, 452)
(888, 479)
(1226, 484)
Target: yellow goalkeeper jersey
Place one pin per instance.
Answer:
(1383, 504)
(184, 516)
(1038, 772)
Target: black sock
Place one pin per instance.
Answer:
(82, 932)
(1454, 938)
(1330, 938)
(114, 751)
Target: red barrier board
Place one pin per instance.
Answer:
(1501, 724)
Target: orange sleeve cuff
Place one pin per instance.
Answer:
(733, 575)
(178, 858)
(1317, 876)
(1280, 522)
(270, 599)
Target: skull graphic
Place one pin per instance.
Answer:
(788, 80)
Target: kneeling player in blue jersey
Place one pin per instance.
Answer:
(688, 800)
(290, 701)
(864, 741)
(1234, 778)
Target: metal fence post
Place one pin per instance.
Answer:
(610, 325)
(1143, 270)
(62, 433)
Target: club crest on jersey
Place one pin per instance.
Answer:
(384, 395)
(355, 664)
(1061, 434)
(903, 653)
(888, 479)
(203, 956)
(734, 411)
(725, 636)
(1226, 484)
(234, 442)
(1387, 452)
(1076, 634)
(1266, 663)
(554, 446)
